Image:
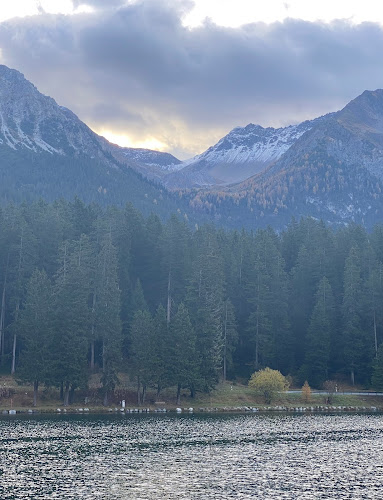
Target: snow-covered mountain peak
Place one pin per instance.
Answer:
(251, 144)
(33, 121)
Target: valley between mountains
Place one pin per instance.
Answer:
(329, 168)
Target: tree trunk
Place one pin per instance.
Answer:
(71, 394)
(106, 398)
(2, 323)
(92, 355)
(179, 394)
(66, 394)
(352, 376)
(13, 368)
(2, 312)
(138, 391)
(257, 341)
(375, 336)
(143, 394)
(62, 391)
(169, 301)
(35, 391)
(225, 346)
(103, 356)
(158, 391)
(93, 329)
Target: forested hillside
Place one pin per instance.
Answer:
(85, 289)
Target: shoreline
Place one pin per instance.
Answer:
(190, 411)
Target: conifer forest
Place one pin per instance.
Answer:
(86, 290)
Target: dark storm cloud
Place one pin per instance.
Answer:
(138, 70)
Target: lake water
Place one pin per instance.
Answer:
(191, 457)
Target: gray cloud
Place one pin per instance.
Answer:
(136, 69)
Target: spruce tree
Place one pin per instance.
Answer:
(183, 361)
(320, 332)
(71, 317)
(36, 331)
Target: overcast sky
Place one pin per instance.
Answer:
(177, 75)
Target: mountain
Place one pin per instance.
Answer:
(330, 168)
(47, 151)
(242, 153)
(333, 171)
(151, 164)
(35, 122)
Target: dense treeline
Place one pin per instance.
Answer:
(87, 290)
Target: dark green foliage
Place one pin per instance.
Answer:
(142, 351)
(318, 339)
(183, 357)
(71, 317)
(377, 376)
(35, 329)
(103, 291)
(205, 302)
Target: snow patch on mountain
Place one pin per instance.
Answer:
(252, 143)
(31, 120)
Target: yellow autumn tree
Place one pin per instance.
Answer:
(268, 382)
(306, 392)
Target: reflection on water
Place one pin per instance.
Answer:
(191, 457)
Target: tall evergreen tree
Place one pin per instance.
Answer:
(356, 347)
(71, 317)
(183, 361)
(320, 332)
(205, 303)
(141, 354)
(36, 332)
(109, 323)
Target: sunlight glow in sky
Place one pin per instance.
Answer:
(126, 142)
(338, 54)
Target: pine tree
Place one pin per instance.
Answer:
(176, 261)
(355, 344)
(35, 329)
(141, 353)
(108, 319)
(205, 303)
(159, 359)
(71, 317)
(183, 361)
(230, 337)
(320, 332)
(377, 376)
(266, 288)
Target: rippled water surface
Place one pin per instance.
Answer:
(191, 457)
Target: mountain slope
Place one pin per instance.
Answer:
(29, 120)
(242, 153)
(329, 168)
(333, 171)
(46, 151)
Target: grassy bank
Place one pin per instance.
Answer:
(14, 395)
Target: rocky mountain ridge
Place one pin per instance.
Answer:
(329, 168)
(242, 153)
(334, 172)
(33, 121)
